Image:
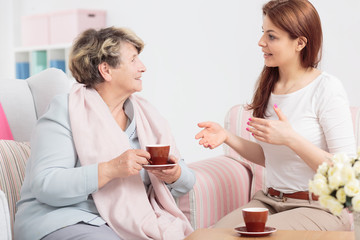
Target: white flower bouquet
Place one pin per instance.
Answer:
(337, 184)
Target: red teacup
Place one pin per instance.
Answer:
(255, 219)
(159, 154)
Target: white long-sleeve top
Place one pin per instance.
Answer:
(320, 113)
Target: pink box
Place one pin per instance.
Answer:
(65, 26)
(35, 30)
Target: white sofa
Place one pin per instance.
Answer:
(222, 184)
(23, 102)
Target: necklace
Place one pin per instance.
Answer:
(296, 82)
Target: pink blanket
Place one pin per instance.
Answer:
(124, 203)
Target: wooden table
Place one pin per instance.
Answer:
(230, 234)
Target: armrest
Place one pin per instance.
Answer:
(222, 185)
(13, 156)
(5, 226)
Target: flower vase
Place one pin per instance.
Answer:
(356, 216)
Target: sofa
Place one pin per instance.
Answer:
(22, 103)
(223, 183)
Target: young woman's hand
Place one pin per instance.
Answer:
(277, 132)
(212, 135)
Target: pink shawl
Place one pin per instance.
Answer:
(124, 203)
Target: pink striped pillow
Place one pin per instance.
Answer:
(5, 132)
(13, 156)
(235, 122)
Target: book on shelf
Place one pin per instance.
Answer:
(39, 61)
(60, 64)
(22, 70)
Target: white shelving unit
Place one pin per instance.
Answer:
(42, 57)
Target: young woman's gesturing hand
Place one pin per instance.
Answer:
(212, 135)
(277, 132)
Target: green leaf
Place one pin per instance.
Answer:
(348, 202)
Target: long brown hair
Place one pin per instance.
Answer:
(298, 18)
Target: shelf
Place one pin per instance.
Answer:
(31, 60)
(43, 47)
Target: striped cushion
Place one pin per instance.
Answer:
(13, 156)
(222, 185)
(235, 122)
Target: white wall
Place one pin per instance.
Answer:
(202, 56)
(7, 65)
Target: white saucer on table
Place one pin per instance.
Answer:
(243, 231)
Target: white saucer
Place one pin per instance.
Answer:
(159, 167)
(243, 231)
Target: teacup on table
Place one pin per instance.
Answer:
(255, 218)
(159, 154)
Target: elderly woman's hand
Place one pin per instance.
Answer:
(168, 175)
(127, 164)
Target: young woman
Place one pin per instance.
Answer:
(300, 118)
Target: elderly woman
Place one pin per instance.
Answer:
(85, 177)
